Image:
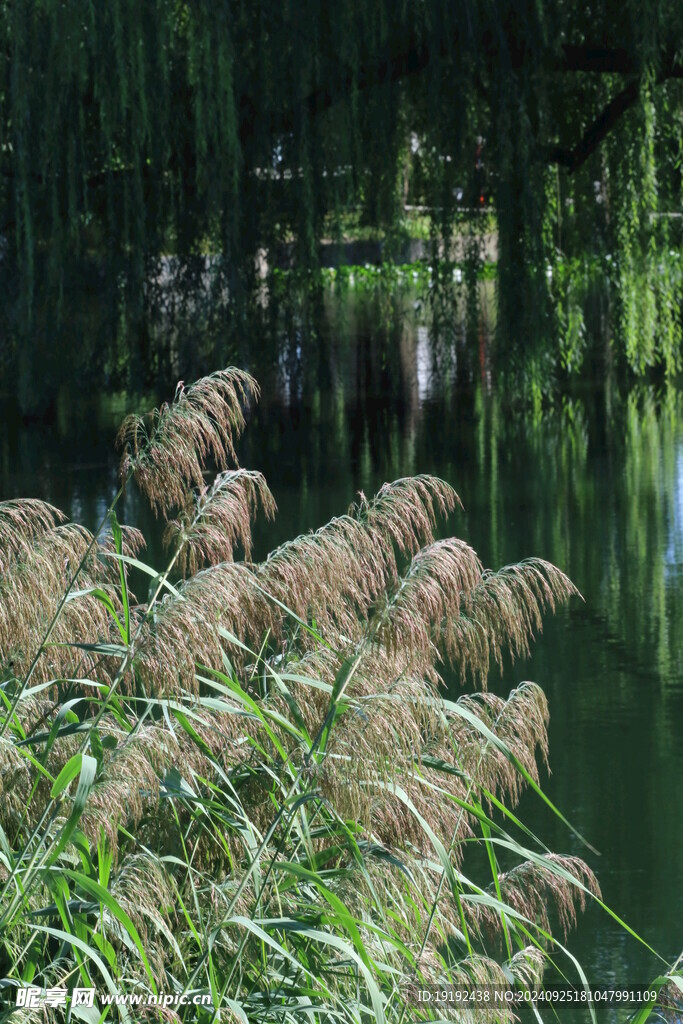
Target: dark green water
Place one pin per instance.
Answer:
(595, 486)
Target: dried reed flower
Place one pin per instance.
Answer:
(184, 628)
(479, 972)
(15, 782)
(25, 795)
(217, 519)
(332, 575)
(168, 450)
(503, 612)
(537, 891)
(428, 596)
(337, 573)
(22, 522)
(520, 722)
(470, 973)
(143, 889)
(407, 510)
(527, 967)
(128, 785)
(392, 718)
(32, 592)
(133, 542)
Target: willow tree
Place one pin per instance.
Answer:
(132, 132)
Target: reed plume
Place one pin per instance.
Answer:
(407, 511)
(218, 518)
(539, 891)
(338, 572)
(428, 597)
(22, 522)
(32, 592)
(503, 613)
(168, 450)
(185, 629)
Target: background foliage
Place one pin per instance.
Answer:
(153, 155)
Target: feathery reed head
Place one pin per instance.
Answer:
(185, 629)
(338, 573)
(132, 542)
(214, 521)
(22, 522)
(406, 511)
(428, 596)
(168, 450)
(546, 887)
(32, 591)
(503, 612)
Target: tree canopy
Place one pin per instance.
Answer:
(142, 144)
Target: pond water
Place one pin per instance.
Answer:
(595, 485)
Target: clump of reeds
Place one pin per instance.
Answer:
(253, 784)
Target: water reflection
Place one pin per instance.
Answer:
(595, 484)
